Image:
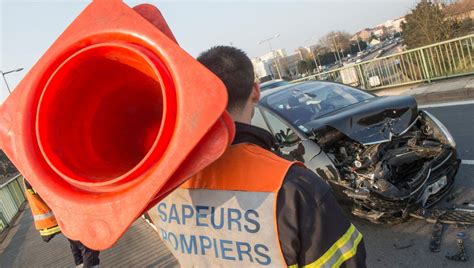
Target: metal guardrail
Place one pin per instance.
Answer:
(442, 60)
(11, 199)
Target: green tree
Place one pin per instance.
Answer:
(355, 47)
(302, 66)
(310, 64)
(428, 23)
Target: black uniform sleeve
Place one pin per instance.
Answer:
(312, 228)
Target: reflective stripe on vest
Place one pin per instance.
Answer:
(43, 216)
(226, 214)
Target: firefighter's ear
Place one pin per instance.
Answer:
(255, 95)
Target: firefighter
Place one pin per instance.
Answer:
(251, 207)
(46, 224)
(44, 219)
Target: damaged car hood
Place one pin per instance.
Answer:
(372, 121)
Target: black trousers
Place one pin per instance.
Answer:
(83, 254)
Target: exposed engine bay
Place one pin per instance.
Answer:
(386, 180)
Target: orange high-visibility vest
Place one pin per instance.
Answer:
(226, 214)
(44, 219)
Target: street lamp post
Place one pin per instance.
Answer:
(312, 53)
(5, 73)
(320, 63)
(273, 52)
(337, 49)
(336, 56)
(314, 57)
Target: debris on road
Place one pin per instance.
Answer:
(436, 234)
(453, 215)
(467, 209)
(403, 244)
(468, 204)
(461, 255)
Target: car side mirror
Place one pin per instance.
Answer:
(288, 138)
(292, 138)
(279, 137)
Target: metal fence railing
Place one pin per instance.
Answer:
(425, 64)
(11, 199)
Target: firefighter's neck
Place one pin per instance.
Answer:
(243, 115)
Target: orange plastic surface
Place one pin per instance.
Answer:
(113, 117)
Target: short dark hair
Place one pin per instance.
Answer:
(234, 68)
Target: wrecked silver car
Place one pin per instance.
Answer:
(382, 155)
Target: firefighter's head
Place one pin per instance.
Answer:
(235, 69)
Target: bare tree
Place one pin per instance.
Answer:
(304, 52)
(336, 40)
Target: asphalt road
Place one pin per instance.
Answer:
(459, 119)
(382, 240)
(371, 55)
(390, 49)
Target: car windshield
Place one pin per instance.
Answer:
(306, 102)
(273, 85)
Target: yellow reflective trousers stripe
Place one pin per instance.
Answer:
(342, 250)
(50, 231)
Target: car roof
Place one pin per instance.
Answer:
(271, 82)
(269, 92)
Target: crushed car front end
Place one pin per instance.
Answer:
(387, 172)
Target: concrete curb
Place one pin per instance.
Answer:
(462, 94)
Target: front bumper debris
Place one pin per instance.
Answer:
(456, 215)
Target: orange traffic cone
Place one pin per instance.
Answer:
(114, 116)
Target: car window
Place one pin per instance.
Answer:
(303, 103)
(257, 119)
(283, 133)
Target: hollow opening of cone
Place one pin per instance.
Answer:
(100, 114)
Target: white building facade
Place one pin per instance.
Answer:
(266, 65)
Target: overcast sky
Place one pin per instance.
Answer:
(28, 28)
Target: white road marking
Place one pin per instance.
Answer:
(454, 103)
(468, 162)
